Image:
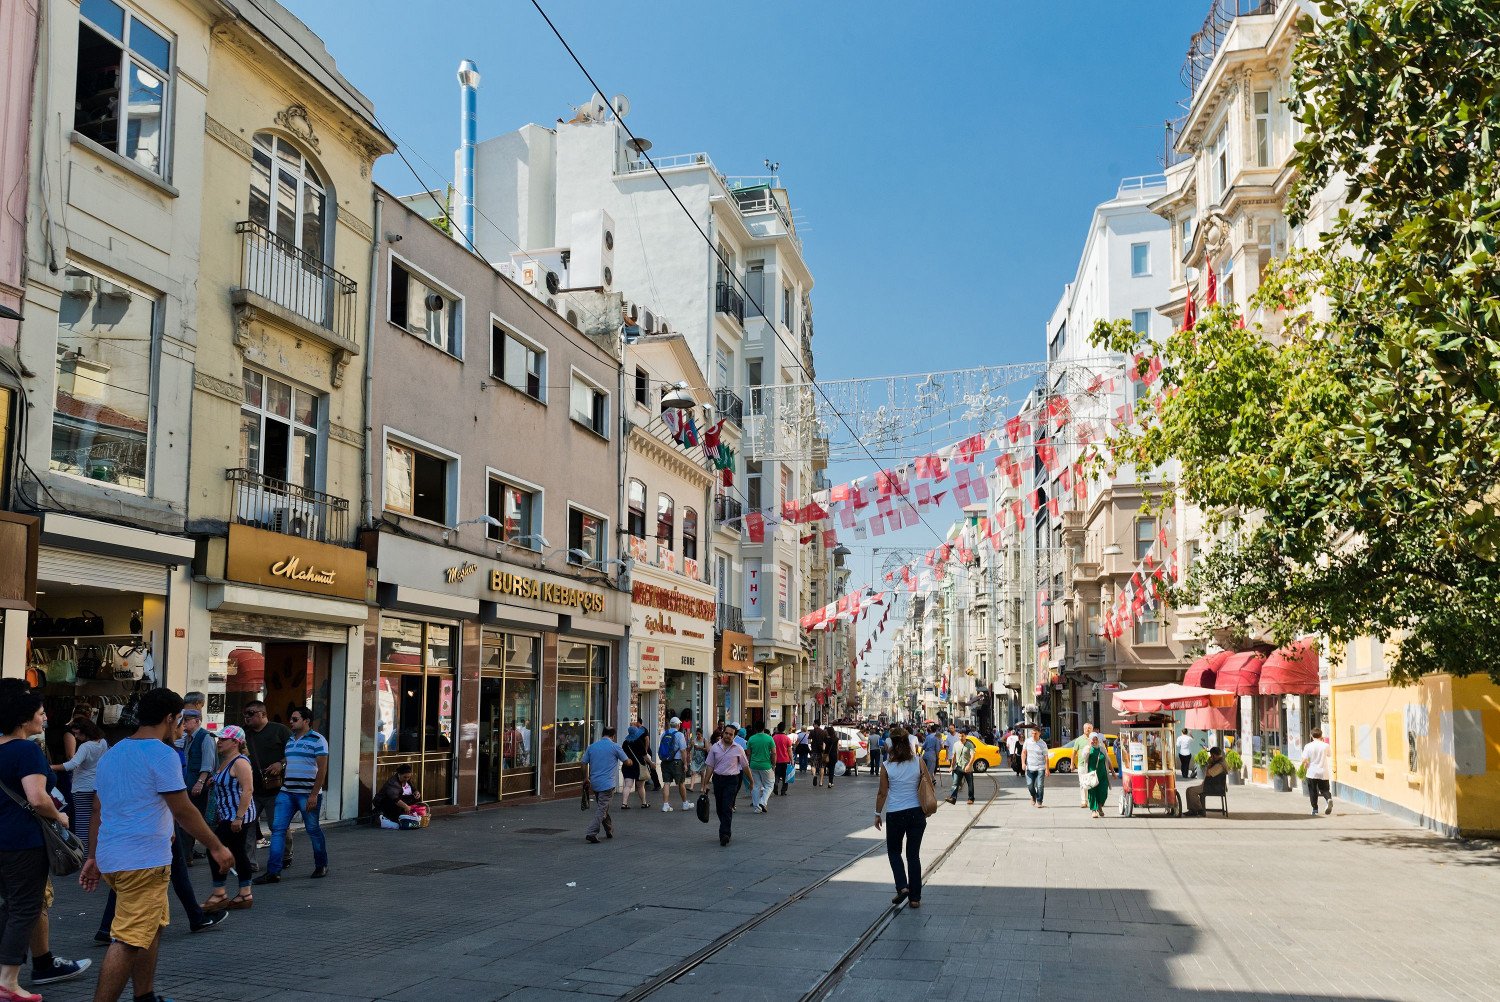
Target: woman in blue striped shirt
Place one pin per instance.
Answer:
(233, 787)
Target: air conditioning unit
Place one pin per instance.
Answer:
(80, 285)
(591, 263)
(648, 321)
(295, 520)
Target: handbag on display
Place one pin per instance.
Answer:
(89, 624)
(40, 624)
(64, 665)
(110, 715)
(91, 661)
(36, 671)
(926, 792)
(135, 622)
(129, 713)
(128, 662)
(701, 807)
(65, 854)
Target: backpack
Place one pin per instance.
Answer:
(667, 750)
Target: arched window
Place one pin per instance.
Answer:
(666, 520)
(635, 522)
(689, 534)
(286, 195)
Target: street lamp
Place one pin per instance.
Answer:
(678, 398)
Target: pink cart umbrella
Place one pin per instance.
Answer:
(1165, 698)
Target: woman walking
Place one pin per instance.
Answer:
(638, 768)
(899, 811)
(234, 806)
(1097, 762)
(90, 747)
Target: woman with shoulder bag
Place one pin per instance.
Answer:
(638, 769)
(234, 804)
(899, 810)
(1096, 760)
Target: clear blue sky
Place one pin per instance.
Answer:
(943, 158)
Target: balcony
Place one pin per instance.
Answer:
(283, 278)
(1209, 39)
(728, 513)
(278, 506)
(729, 619)
(730, 406)
(727, 300)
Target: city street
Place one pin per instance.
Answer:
(1050, 904)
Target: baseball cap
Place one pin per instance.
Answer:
(674, 722)
(232, 731)
(192, 713)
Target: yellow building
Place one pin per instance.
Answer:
(1428, 752)
(278, 458)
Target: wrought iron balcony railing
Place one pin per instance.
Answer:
(278, 506)
(296, 280)
(728, 513)
(727, 300)
(729, 619)
(729, 405)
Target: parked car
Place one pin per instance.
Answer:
(986, 756)
(1061, 759)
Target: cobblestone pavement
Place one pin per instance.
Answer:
(1032, 905)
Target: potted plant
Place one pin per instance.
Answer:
(1282, 771)
(1200, 760)
(1235, 762)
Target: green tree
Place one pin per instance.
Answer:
(1352, 457)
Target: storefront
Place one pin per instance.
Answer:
(736, 661)
(490, 678)
(279, 619)
(673, 652)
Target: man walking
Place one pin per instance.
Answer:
(600, 764)
(1315, 756)
(138, 796)
(200, 754)
(1034, 764)
(1185, 745)
(803, 749)
(673, 756)
(761, 750)
(783, 758)
(930, 745)
(950, 743)
(306, 772)
(726, 763)
(961, 761)
(265, 741)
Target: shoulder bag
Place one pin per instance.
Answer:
(65, 854)
(926, 792)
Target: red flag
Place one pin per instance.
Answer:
(808, 538)
(726, 477)
(1018, 514)
(830, 539)
(1212, 296)
(1015, 428)
(1065, 480)
(1153, 371)
(1054, 507)
(1047, 453)
(1190, 314)
(755, 525)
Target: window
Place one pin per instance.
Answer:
(287, 198)
(1059, 342)
(589, 405)
(518, 363)
(1093, 625)
(786, 306)
(1262, 104)
(106, 346)
(582, 707)
(753, 498)
(418, 482)
(635, 522)
(1148, 630)
(1140, 321)
(586, 535)
(518, 508)
(784, 487)
(1145, 537)
(783, 591)
(753, 380)
(1218, 164)
(666, 520)
(1192, 552)
(279, 430)
(1140, 260)
(419, 307)
(689, 534)
(124, 67)
(642, 385)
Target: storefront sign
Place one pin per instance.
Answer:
(456, 574)
(507, 583)
(671, 600)
(736, 652)
(260, 557)
(660, 623)
(649, 667)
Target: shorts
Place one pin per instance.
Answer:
(141, 910)
(671, 771)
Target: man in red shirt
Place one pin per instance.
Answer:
(783, 758)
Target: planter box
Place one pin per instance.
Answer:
(1282, 784)
(1236, 778)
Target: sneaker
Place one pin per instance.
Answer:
(667, 808)
(61, 970)
(591, 839)
(210, 919)
(685, 806)
(1329, 808)
(264, 843)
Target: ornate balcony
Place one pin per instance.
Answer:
(278, 506)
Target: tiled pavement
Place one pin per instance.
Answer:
(1033, 905)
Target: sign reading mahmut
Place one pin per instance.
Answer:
(454, 575)
(259, 557)
(507, 583)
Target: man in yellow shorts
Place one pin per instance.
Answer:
(139, 792)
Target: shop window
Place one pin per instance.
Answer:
(635, 522)
(582, 704)
(518, 509)
(784, 490)
(418, 482)
(753, 499)
(106, 356)
(690, 534)
(123, 84)
(508, 699)
(279, 430)
(666, 521)
(518, 362)
(589, 405)
(416, 703)
(586, 537)
(418, 306)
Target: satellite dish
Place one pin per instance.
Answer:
(638, 144)
(597, 107)
(621, 104)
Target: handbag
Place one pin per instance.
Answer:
(583, 798)
(128, 662)
(926, 793)
(89, 624)
(40, 624)
(64, 665)
(130, 712)
(110, 716)
(91, 662)
(65, 854)
(1088, 779)
(701, 807)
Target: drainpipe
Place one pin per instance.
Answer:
(367, 514)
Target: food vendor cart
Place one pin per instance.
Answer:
(1148, 762)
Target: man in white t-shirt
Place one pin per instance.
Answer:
(1034, 763)
(1185, 745)
(1316, 756)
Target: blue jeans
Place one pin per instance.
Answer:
(1035, 783)
(288, 804)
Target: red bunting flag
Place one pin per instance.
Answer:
(755, 526)
(1190, 315)
(1212, 296)
(1054, 507)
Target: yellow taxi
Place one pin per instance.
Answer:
(1061, 759)
(986, 757)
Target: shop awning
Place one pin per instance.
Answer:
(1212, 718)
(1291, 671)
(1241, 673)
(1204, 672)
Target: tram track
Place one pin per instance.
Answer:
(835, 974)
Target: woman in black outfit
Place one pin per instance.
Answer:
(638, 767)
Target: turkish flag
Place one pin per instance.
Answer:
(1190, 315)
(1212, 296)
(755, 525)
